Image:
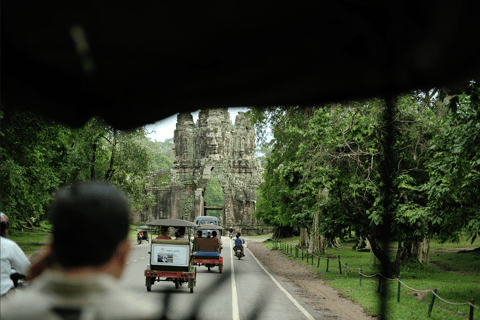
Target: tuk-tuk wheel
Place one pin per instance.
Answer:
(177, 285)
(220, 268)
(208, 268)
(191, 284)
(149, 288)
(139, 241)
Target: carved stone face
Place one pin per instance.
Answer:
(214, 138)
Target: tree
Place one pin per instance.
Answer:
(453, 167)
(38, 155)
(278, 204)
(339, 150)
(214, 197)
(29, 162)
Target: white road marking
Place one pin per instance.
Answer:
(142, 258)
(236, 314)
(134, 260)
(295, 302)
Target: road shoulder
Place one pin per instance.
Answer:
(320, 296)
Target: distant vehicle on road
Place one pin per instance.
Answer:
(204, 221)
(207, 220)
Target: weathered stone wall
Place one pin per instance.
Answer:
(212, 147)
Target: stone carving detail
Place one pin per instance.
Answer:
(212, 147)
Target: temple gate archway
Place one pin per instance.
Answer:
(212, 147)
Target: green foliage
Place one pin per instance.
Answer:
(454, 169)
(214, 197)
(339, 150)
(162, 153)
(38, 155)
(29, 163)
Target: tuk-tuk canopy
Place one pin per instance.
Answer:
(209, 227)
(172, 223)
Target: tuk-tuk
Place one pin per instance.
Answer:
(142, 234)
(207, 249)
(170, 260)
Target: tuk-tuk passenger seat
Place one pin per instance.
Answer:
(207, 245)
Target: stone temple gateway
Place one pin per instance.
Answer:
(212, 147)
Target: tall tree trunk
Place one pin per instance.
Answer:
(92, 164)
(303, 240)
(111, 171)
(317, 241)
(417, 248)
(389, 268)
(423, 250)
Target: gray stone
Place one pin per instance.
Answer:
(212, 147)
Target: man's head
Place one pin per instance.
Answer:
(209, 234)
(214, 234)
(199, 233)
(164, 231)
(3, 225)
(181, 231)
(238, 235)
(80, 214)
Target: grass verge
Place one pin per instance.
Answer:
(31, 240)
(453, 287)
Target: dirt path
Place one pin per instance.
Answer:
(323, 297)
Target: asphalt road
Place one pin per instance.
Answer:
(244, 290)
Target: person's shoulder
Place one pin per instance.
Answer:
(124, 304)
(24, 304)
(7, 243)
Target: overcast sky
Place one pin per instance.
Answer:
(163, 129)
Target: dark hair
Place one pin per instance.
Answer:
(199, 232)
(214, 233)
(89, 221)
(3, 230)
(181, 231)
(3, 225)
(238, 235)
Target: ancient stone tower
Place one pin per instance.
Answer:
(212, 147)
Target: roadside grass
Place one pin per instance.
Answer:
(31, 240)
(455, 288)
(463, 243)
(268, 235)
(465, 262)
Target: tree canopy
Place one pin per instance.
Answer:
(39, 155)
(332, 160)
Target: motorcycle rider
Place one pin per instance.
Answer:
(239, 244)
(230, 232)
(11, 256)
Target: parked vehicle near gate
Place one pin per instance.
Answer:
(171, 260)
(142, 234)
(204, 221)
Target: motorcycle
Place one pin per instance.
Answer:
(18, 279)
(238, 252)
(230, 234)
(139, 237)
